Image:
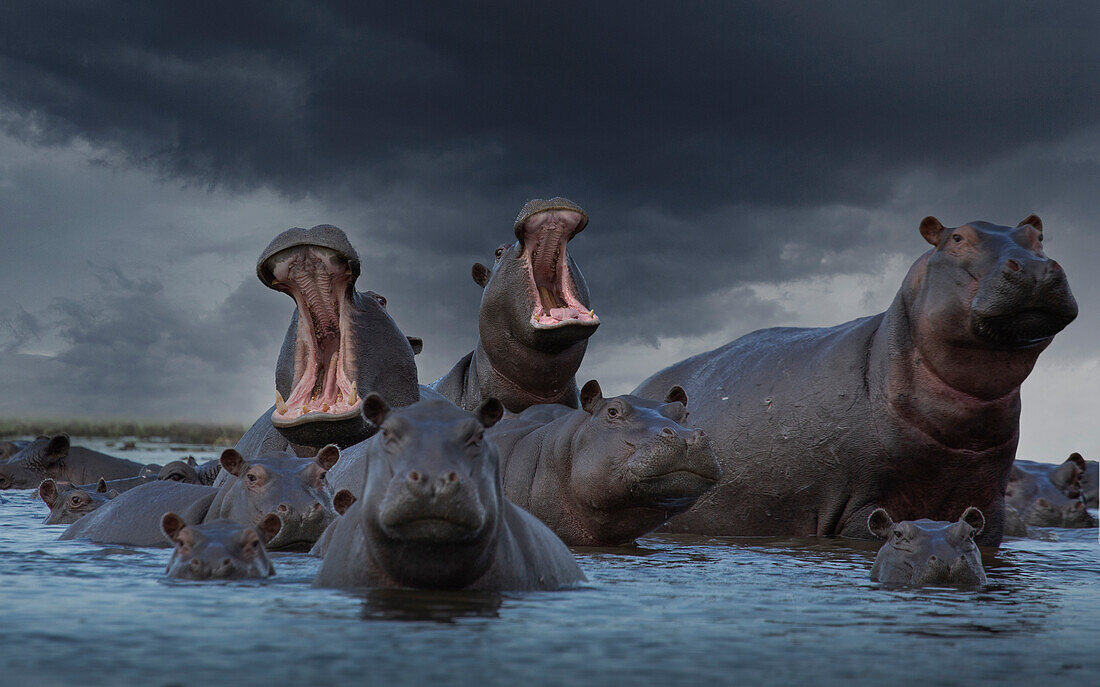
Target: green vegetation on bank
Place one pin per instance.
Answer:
(180, 432)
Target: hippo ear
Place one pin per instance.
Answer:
(481, 274)
(930, 229)
(1078, 460)
(1034, 221)
(973, 517)
(489, 412)
(677, 395)
(233, 462)
(171, 524)
(591, 394)
(101, 486)
(417, 344)
(343, 500)
(192, 462)
(328, 456)
(48, 491)
(880, 523)
(57, 449)
(375, 409)
(269, 527)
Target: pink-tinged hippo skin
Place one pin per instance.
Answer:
(608, 472)
(1048, 495)
(916, 410)
(55, 458)
(928, 552)
(433, 514)
(69, 502)
(292, 488)
(219, 550)
(535, 317)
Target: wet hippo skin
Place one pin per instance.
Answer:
(915, 409)
(220, 549)
(1048, 495)
(928, 552)
(54, 458)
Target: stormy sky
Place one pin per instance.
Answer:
(744, 164)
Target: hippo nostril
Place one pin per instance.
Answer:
(452, 477)
(932, 559)
(282, 508)
(226, 562)
(414, 476)
(1012, 265)
(316, 506)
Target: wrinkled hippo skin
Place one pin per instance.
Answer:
(1047, 495)
(68, 502)
(291, 487)
(54, 458)
(433, 514)
(607, 473)
(915, 409)
(928, 552)
(190, 471)
(220, 549)
(534, 320)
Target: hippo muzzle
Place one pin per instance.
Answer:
(674, 468)
(434, 509)
(1023, 304)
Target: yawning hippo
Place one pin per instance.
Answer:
(928, 552)
(609, 472)
(341, 344)
(68, 502)
(433, 514)
(292, 488)
(1049, 495)
(916, 409)
(221, 549)
(534, 321)
(54, 458)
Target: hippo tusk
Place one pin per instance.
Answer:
(280, 404)
(353, 395)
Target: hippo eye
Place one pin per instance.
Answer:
(499, 252)
(75, 500)
(956, 238)
(613, 412)
(251, 477)
(1040, 238)
(898, 534)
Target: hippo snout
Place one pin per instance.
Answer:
(431, 507)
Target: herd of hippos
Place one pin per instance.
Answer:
(902, 425)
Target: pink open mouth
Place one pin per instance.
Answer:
(324, 389)
(545, 235)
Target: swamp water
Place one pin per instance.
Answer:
(673, 610)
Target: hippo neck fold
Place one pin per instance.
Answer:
(494, 375)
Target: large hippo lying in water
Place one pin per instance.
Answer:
(292, 488)
(534, 321)
(916, 410)
(433, 514)
(1049, 495)
(54, 458)
(341, 345)
(220, 549)
(609, 472)
(928, 552)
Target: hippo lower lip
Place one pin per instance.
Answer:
(1021, 330)
(430, 529)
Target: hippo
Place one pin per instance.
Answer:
(190, 471)
(8, 449)
(608, 472)
(534, 320)
(340, 345)
(916, 409)
(54, 458)
(220, 549)
(928, 552)
(433, 514)
(1090, 484)
(68, 502)
(1048, 495)
(341, 502)
(291, 487)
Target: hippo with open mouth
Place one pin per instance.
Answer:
(916, 409)
(928, 552)
(534, 320)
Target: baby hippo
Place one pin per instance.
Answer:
(68, 502)
(608, 472)
(221, 549)
(432, 513)
(928, 552)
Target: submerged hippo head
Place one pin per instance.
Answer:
(1049, 497)
(432, 501)
(292, 488)
(928, 552)
(989, 290)
(68, 503)
(222, 549)
(341, 344)
(180, 471)
(43, 456)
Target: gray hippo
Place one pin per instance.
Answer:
(220, 549)
(534, 320)
(1047, 495)
(8, 449)
(291, 487)
(607, 473)
(916, 409)
(928, 552)
(433, 513)
(190, 471)
(68, 502)
(1090, 484)
(341, 502)
(54, 458)
(341, 344)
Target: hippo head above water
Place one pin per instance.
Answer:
(221, 549)
(1049, 496)
(928, 552)
(68, 503)
(341, 344)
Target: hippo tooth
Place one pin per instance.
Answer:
(280, 404)
(324, 407)
(354, 395)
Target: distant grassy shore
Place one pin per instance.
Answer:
(180, 432)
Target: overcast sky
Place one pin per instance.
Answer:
(743, 164)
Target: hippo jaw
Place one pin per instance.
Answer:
(674, 475)
(543, 237)
(431, 519)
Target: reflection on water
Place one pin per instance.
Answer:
(673, 609)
